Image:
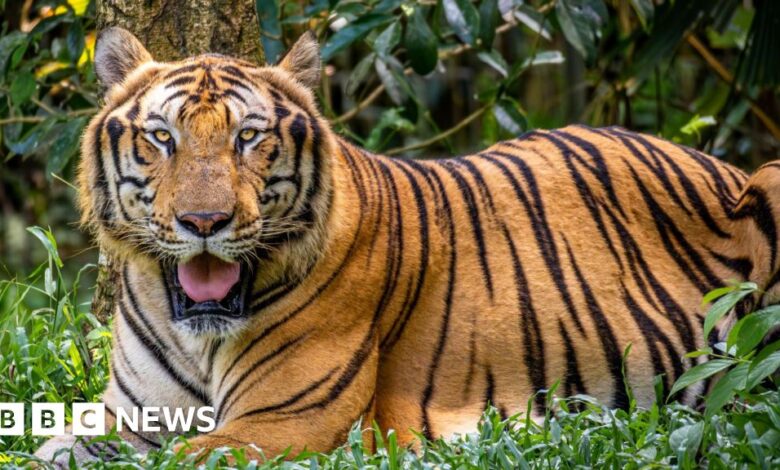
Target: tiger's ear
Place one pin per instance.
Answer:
(117, 53)
(303, 60)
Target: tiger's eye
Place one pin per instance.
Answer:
(162, 135)
(247, 134)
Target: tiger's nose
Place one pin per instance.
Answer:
(204, 224)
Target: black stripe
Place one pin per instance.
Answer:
(588, 198)
(136, 155)
(640, 271)
(444, 329)
(572, 382)
(542, 232)
(476, 224)
(235, 71)
(600, 170)
(227, 400)
(180, 81)
(156, 346)
(743, 266)
(298, 133)
(232, 93)
(155, 351)
(607, 337)
(103, 201)
(293, 399)
(669, 231)
(235, 82)
(137, 182)
(690, 189)
(657, 169)
(181, 70)
(401, 320)
(173, 96)
(652, 334)
(533, 342)
(755, 204)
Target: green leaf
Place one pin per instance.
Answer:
(388, 39)
(392, 121)
(66, 146)
(751, 329)
(541, 58)
(489, 17)
(699, 352)
(420, 43)
(22, 88)
(544, 58)
(716, 293)
(8, 44)
(359, 74)
(271, 29)
(581, 22)
(687, 439)
(762, 368)
(697, 124)
(509, 116)
(75, 41)
(390, 72)
(723, 306)
(464, 19)
(700, 372)
(32, 140)
(726, 387)
(48, 24)
(351, 33)
(48, 241)
(534, 20)
(386, 6)
(644, 10)
(494, 59)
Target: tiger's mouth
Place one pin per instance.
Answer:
(209, 289)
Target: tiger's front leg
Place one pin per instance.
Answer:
(301, 393)
(58, 449)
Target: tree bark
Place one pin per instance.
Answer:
(172, 30)
(175, 29)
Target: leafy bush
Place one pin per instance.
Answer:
(746, 364)
(51, 348)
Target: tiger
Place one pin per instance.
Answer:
(297, 283)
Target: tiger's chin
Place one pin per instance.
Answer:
(209, 301)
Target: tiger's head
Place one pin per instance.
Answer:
(211, 168)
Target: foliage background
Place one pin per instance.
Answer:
(419, 78)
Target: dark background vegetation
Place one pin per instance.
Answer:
(418, 79)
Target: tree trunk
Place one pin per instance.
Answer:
(172, 30)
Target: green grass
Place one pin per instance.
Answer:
(53, 349)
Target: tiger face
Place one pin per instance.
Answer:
(211, 167)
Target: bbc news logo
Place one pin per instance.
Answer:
(89, 419)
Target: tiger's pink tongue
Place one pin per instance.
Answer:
(207, 277)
